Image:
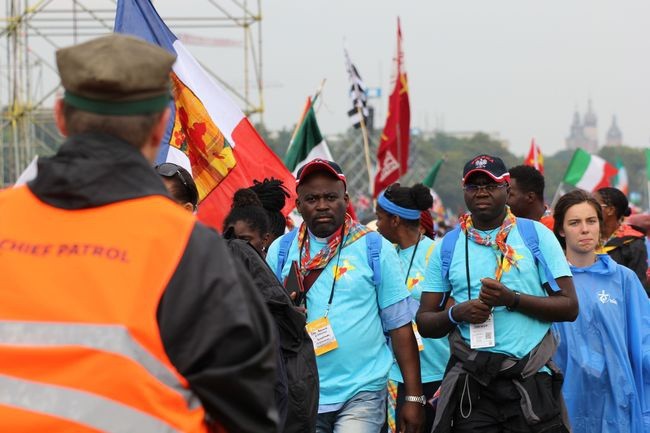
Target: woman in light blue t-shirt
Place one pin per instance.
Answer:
(398, 220)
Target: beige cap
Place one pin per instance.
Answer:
(116, 75)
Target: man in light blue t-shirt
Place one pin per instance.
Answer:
(496, 304)
(347, 314)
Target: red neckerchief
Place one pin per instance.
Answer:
(351, 232)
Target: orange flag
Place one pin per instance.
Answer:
(535, 158)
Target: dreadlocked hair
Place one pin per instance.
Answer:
(273, 195)
(247, 207)
(245, 197)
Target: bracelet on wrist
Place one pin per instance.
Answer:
(515, 303)
(451, 317)
(422, 399)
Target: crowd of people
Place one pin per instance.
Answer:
(120, 312)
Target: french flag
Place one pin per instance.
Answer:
(208, 134)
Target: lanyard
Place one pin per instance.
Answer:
(498, 273)
(411, 262)
(336, 269)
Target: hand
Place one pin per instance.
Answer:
(298, 308)
(495, 294)
(473, 311)
(411, 418)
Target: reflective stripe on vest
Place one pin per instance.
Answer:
(97, 412)
(109, 338)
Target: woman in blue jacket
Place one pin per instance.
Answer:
(605, 353)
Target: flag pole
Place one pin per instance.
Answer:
(647, 176)
(362, 122)
(558, 193)
(318, 91)
(311, 103)
(366, 148)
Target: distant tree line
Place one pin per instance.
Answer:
(425, 151)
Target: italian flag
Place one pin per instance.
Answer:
(307, 143)
(589, 172)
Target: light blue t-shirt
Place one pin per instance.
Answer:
(516, 334)
(362, 360)
(434, 357)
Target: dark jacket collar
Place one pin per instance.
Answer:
(92, 170)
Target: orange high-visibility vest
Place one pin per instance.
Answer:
(80, 347)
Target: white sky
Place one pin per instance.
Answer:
(516, 67)
(519, 68)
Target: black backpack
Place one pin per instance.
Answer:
(297, 385)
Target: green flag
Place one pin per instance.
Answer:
(307, 144)
(431, 177)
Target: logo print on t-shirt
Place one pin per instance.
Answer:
(414, 281)
(506, 264)
(342, 270)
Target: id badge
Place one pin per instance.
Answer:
(418, 337)
(481, 335)
(322, 336)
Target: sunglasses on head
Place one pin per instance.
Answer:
(170, 170)
(388, 193)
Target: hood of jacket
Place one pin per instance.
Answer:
(91, 170)
(603, 265)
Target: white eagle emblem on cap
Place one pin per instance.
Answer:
(480, 163)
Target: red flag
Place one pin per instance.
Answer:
(393, 152)
(535, 158)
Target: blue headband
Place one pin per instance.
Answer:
(403, 212)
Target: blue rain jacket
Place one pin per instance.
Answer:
(605, 353)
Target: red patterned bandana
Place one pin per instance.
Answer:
(498, 242)
(351, 232)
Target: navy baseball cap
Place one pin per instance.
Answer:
(493, 166)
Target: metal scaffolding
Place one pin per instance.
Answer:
(33, 29)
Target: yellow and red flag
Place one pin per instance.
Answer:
(535, 158)
(393, 152)
(208, 133)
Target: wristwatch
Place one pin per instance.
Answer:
(515, 303)
(416, 399)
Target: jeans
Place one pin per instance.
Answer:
(363, 413)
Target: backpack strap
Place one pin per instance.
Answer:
(373, 245)
(447, 251)
(283, 251)
(528, 233)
